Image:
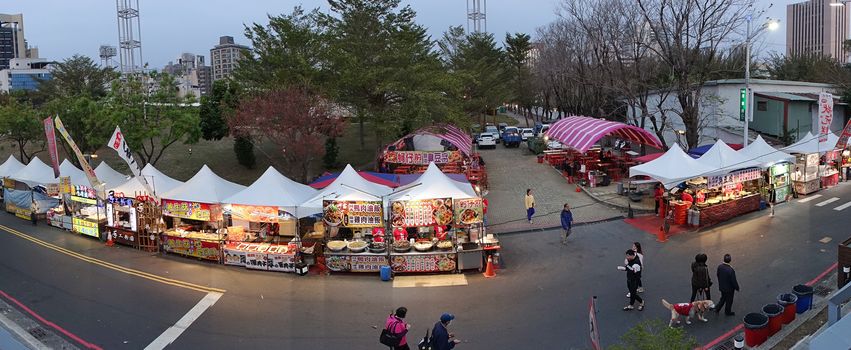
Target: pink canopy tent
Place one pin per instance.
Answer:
(450, 133)
(581, 133)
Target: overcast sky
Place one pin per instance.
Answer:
(61, 28)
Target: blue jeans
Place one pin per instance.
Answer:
(529, 213)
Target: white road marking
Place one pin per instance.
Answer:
(841, 207)
(429, 281)
(823, 203)
(809, 198)
(171, 334)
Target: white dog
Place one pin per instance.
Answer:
(696, 308)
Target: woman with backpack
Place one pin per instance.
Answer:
(700, 280)
(395, 330)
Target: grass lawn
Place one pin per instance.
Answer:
(179, 163)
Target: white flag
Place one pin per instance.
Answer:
(119, 144)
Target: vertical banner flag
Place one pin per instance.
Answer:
(825, 115)
(90, 173)
(50, 134)
(592, 321)
(843, 138)
(119, 144)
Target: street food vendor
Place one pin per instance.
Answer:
(701, 196)
(687, 197)
(400, 234)
(378, 234)
(440, 232)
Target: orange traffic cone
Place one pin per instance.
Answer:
(661, 236)
(109, 242)
(577, 189)
(489, 272)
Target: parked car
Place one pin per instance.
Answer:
(493, 130)
(511, 137)
(486, 139)
(526, 133)
(502, 126)
(542, 128)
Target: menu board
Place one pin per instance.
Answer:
(352, 214)
(86, 227)
(255, 213)
(421, 157)
(355, 263)
(418, 213)
(208, 250)
(733, 177)
(423, 262)
(260, 256)
(468, 211)
(186, 210)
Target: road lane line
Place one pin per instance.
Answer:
(809, 198)
(111, 266)
(171, 334)
(45, 322)
(823, 203)
(841, 207)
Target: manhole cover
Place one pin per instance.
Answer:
(822, 291)
(727, 345)
(38, 333)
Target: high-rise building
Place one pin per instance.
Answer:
(816, 27)
(203, 75)
(12, 42)
(24, 74)
(224, 57)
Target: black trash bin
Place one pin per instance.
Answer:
(756, 329)
(788, 301)
(775, 317)
(805, 297)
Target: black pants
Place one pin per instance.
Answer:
(695, 290)
(656, 209)
(401, 347)
(633, 292)
(726, 301)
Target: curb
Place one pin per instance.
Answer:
(542, 229)
(602, 201)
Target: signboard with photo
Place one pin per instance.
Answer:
(421, 157)
(257, 213)
(186, 210)
(423, 263)
(352, 214)
(468, 211)
(208, 250)
(419, 213)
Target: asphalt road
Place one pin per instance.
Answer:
(539, 300)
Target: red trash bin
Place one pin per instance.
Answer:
(541, 158)
(775, 317)
(788, 301)
(756, 329)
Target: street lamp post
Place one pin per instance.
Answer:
(771, 25)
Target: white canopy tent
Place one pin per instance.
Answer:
(109, 176)
(763, 154)
(671, 168)
(204, 187)
(275, 190)
(349, 186)
(35, 173)
(160, 183)
(10, 166)
(78, 177)
(810, 144)
(725, 159)
(433, 183)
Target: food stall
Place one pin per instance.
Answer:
(829, 168)
(778, 167)
(193, 216)
(263, 227)
(87, 211)
(810, 174)
(434, 221)
(721, 197)
(9, 167)
(32, 184)
(349, 224)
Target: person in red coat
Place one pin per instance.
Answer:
(658, 193)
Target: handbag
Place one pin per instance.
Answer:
(389, 338)
(425, 344)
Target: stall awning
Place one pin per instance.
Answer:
(672, 168)
(349, 186)
(35, 173)
(204, 187)
(810, 144)
(390, 180)
(78, 177)
(449, 133)
(581, 133)
(275, 190)
(10, 166)
(765, 155)
(700, 150)
(724, 159)
(109, 176)
(434, 184)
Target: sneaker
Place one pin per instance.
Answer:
(628, 295)
(628, 307)
(641, 307)
(641, 289)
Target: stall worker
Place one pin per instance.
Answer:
(658, 193)
(378, 234)
(701, 196)
(687, 197)
(440, 232)
(400, 234)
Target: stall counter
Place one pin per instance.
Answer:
(346, 261)
(725, 211)
(432, 261)
(195, 244)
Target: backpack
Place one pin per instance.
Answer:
(389, 338)
(425, 344)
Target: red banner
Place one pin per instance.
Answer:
(592, 321)
(825, 115)
(50, 133)
(843, 138)
(422, 157)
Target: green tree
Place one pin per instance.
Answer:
(654, 334)
(20, 124)
(224, 99)
(329, 160)
(152, 115)
(243, 147)
(808, 67)
(86, 120)
(78, 76)
(517, 48)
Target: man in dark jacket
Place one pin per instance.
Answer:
(728, 285)
(441, 339)
(566, 223)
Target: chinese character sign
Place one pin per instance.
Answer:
(468, 211)
(353, 214)
(186, 210)
(418, 213)
(825, 115)
(421, 158)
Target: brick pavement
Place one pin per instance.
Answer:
(511, 171)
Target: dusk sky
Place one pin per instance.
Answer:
(61, 28)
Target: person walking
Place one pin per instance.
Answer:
(728, 285)
(636, 247)
(566, 222)
(632, 268)
(700, 280)
(772, 199)
(530, 205)
(441, 339)
(396, 325)
(658, 193)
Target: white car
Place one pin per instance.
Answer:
(493, 131)
(526, 133)
(487, 139)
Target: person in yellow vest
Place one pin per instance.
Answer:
(530, 205)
